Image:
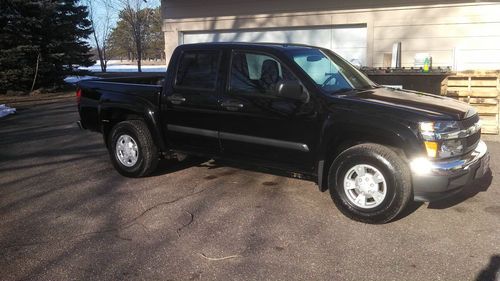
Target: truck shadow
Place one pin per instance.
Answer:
(173, 165)
(412, 207)
(492, 271)
(469, 191)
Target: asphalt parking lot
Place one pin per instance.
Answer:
(65, 214)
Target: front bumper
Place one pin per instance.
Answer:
(437, 180)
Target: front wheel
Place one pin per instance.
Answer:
(370, 183)
(132, 149)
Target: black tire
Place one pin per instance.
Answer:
(393, 168)
(147, 151)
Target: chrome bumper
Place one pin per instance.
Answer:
(437, 180)
(423, 166)
(454, 166)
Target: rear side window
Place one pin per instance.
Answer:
(198, 69)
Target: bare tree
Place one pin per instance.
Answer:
(100, 18)
(136, 14)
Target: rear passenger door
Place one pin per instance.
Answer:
(191, 104)
(257, 123)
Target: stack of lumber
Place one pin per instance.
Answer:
(481, 90)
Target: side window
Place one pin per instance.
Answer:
(198, 69)
(323, 71)
(253, 73)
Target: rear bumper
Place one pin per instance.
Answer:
(434, 181)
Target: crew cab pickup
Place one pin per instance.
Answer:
(295, 108)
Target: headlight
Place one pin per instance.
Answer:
(438, 130)
(445, 138)
(444, 149)
(451, 148)
(445, 130)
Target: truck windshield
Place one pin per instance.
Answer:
(330, 72)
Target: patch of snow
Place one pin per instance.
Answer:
(118, 66)
(5, 110)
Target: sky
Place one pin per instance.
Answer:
(100, 12)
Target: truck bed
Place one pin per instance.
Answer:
(123, 84)
(99, 94)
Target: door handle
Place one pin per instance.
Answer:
(176, 99)
(232, 106)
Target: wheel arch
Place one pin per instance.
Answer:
(111, 116)
(339, 137)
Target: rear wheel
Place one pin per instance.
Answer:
(132, 149)
(370, 183)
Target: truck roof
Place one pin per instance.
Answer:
(287, 46)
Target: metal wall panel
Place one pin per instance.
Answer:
(349, 42)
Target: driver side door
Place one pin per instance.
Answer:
(260, 126)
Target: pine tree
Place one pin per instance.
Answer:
(19, 22)
(44, 35)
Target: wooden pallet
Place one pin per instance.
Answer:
(481, 90)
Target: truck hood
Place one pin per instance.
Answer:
(431, 106)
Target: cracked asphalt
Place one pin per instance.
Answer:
(65, 214)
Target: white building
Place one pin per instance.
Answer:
(459, 34)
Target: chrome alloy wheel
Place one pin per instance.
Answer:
(127, 151)
(365, 186)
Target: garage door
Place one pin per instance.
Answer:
(349, 42)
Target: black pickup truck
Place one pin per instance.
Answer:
(299, 109)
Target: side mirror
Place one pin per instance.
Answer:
(292, 90)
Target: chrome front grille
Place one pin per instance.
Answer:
(472, 140)
(469, 122)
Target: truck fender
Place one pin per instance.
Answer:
(336, 136)
(110, 115)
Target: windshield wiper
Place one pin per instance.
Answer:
(345, 90)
